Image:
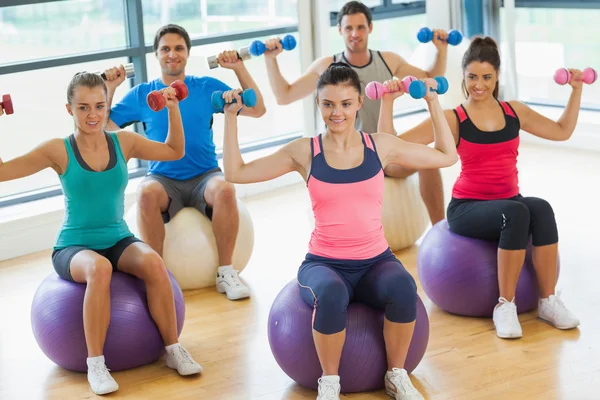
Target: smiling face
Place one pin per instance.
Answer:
(481, 79)
(338, 105)
(172, 54)
(88, 108)
(355, 30)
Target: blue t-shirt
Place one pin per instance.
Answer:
(197, 116)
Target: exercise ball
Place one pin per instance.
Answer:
(363, 364)
(424, 58)
(190, 249)
(404, 216)
(460, 274)
(132, 339)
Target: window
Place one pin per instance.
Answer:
(39, 99)
(545, 41)
(404, 29)
(213, 17)
(60, 28)
(336, 5)
(278, 121)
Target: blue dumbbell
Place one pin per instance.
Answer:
(417, 89)
(257, 48)
(218, 102)
(426, 35)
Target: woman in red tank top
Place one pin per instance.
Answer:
(486, 201)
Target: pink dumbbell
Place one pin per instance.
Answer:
(562, 76)
(374, 90)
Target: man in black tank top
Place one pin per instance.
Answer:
(355, 24)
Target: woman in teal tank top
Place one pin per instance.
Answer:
(94, 239)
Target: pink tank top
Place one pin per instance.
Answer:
(347, 206)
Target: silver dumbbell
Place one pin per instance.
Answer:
(129, 71)
(243, 54)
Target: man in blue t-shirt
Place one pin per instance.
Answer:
(195, 180)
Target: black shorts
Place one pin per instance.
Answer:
(61, 258)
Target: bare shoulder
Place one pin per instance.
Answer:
(519, 107)
(393, 60)
(56, 152)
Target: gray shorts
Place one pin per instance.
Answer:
(188, 193)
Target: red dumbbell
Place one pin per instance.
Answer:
(562, 76)
(156, 100)
(7, 104)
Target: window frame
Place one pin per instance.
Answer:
(136, 51)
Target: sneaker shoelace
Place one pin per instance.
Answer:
(183, 355)
(234, 278)
(327, 388)
(402, 380)
(101, 371)
(507, 308)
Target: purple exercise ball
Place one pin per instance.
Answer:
(363, 364)
(132, 340)
(460, 274)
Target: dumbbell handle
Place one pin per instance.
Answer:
(129, 71)
(243, 53)
(418, 89)
(563, 76)
(258, 48)
(454, 36)
(156, 100)
(376, 90)
(218, 102)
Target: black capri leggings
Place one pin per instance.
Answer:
(329, 285)
(511, 221)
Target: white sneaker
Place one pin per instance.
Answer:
(555, 312)
(399, 386)
(229, 283)
(100, 379)
(180, 359)
(329, 388)
(506, 320)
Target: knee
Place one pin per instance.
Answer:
(154, 268)
(225, 193)
(148, 196)
(100, 273)
(332, 297)
(516, 215)
(402, 288)
(540, 209)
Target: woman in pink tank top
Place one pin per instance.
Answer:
(486, 201)
(349, 258)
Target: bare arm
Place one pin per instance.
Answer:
(263, 169)
(420, 156)
(400, 68)
(246, 81)
(423, 133)
(302, 87)
(114, 77)
(43, 156)
(543, 127)
(137, 146)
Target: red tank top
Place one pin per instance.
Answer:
(488, 159)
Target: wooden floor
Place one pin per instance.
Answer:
(464, 360)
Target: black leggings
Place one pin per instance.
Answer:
(511, 221)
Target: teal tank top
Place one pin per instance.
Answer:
(94, 201)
